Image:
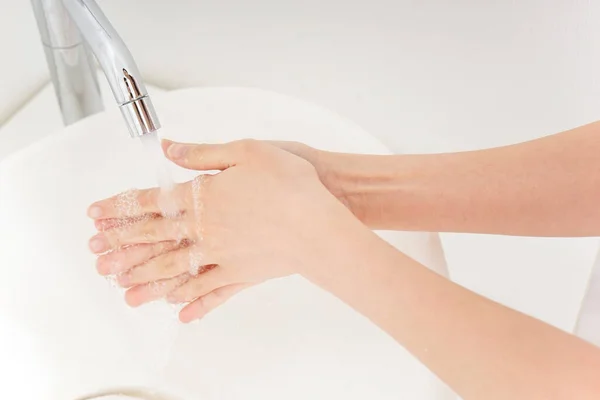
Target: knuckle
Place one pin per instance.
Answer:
(186, 296)
(199, 183)
(202, 304)
(160, 249)
(157, 288)
(191, 192)
(148, 199)
(183, 292)
(192, 289)
(149, 232)
(297, 147)
(177, 292)
(114, 238)
(216, 296)
(180, 280)
(247, 146)
(162, 265)
(196, 287)
(128, 203)
(176, 263)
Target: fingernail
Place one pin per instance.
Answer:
(95, 212)
(176, 151)
(98, 244)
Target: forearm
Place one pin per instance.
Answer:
(545, 187)
(480, 348)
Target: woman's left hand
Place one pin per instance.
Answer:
(265, 215)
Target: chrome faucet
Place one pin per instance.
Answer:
(69, 30)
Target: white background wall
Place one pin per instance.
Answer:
(423, 76)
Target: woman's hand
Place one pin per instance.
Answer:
(265, 215)
(337, 171)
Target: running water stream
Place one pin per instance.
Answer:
(169, 209)
(151, 142)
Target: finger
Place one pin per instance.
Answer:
(124, 259)
(135, 203)
(148, 292)
(205, 304)
(206, 157)
(145, 231)
(200, 285)
(168, 265)
(113, 223)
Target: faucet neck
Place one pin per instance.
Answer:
(72, 68)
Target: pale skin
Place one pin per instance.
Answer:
(278, 209)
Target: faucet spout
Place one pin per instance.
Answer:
(68, 29)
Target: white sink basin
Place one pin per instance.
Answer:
(283, 340)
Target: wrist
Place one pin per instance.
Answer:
(380, 190)
(356, 265)
(344, 243)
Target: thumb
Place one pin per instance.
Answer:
(200, 157)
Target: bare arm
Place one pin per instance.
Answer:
(545, 187)
(482, 349)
